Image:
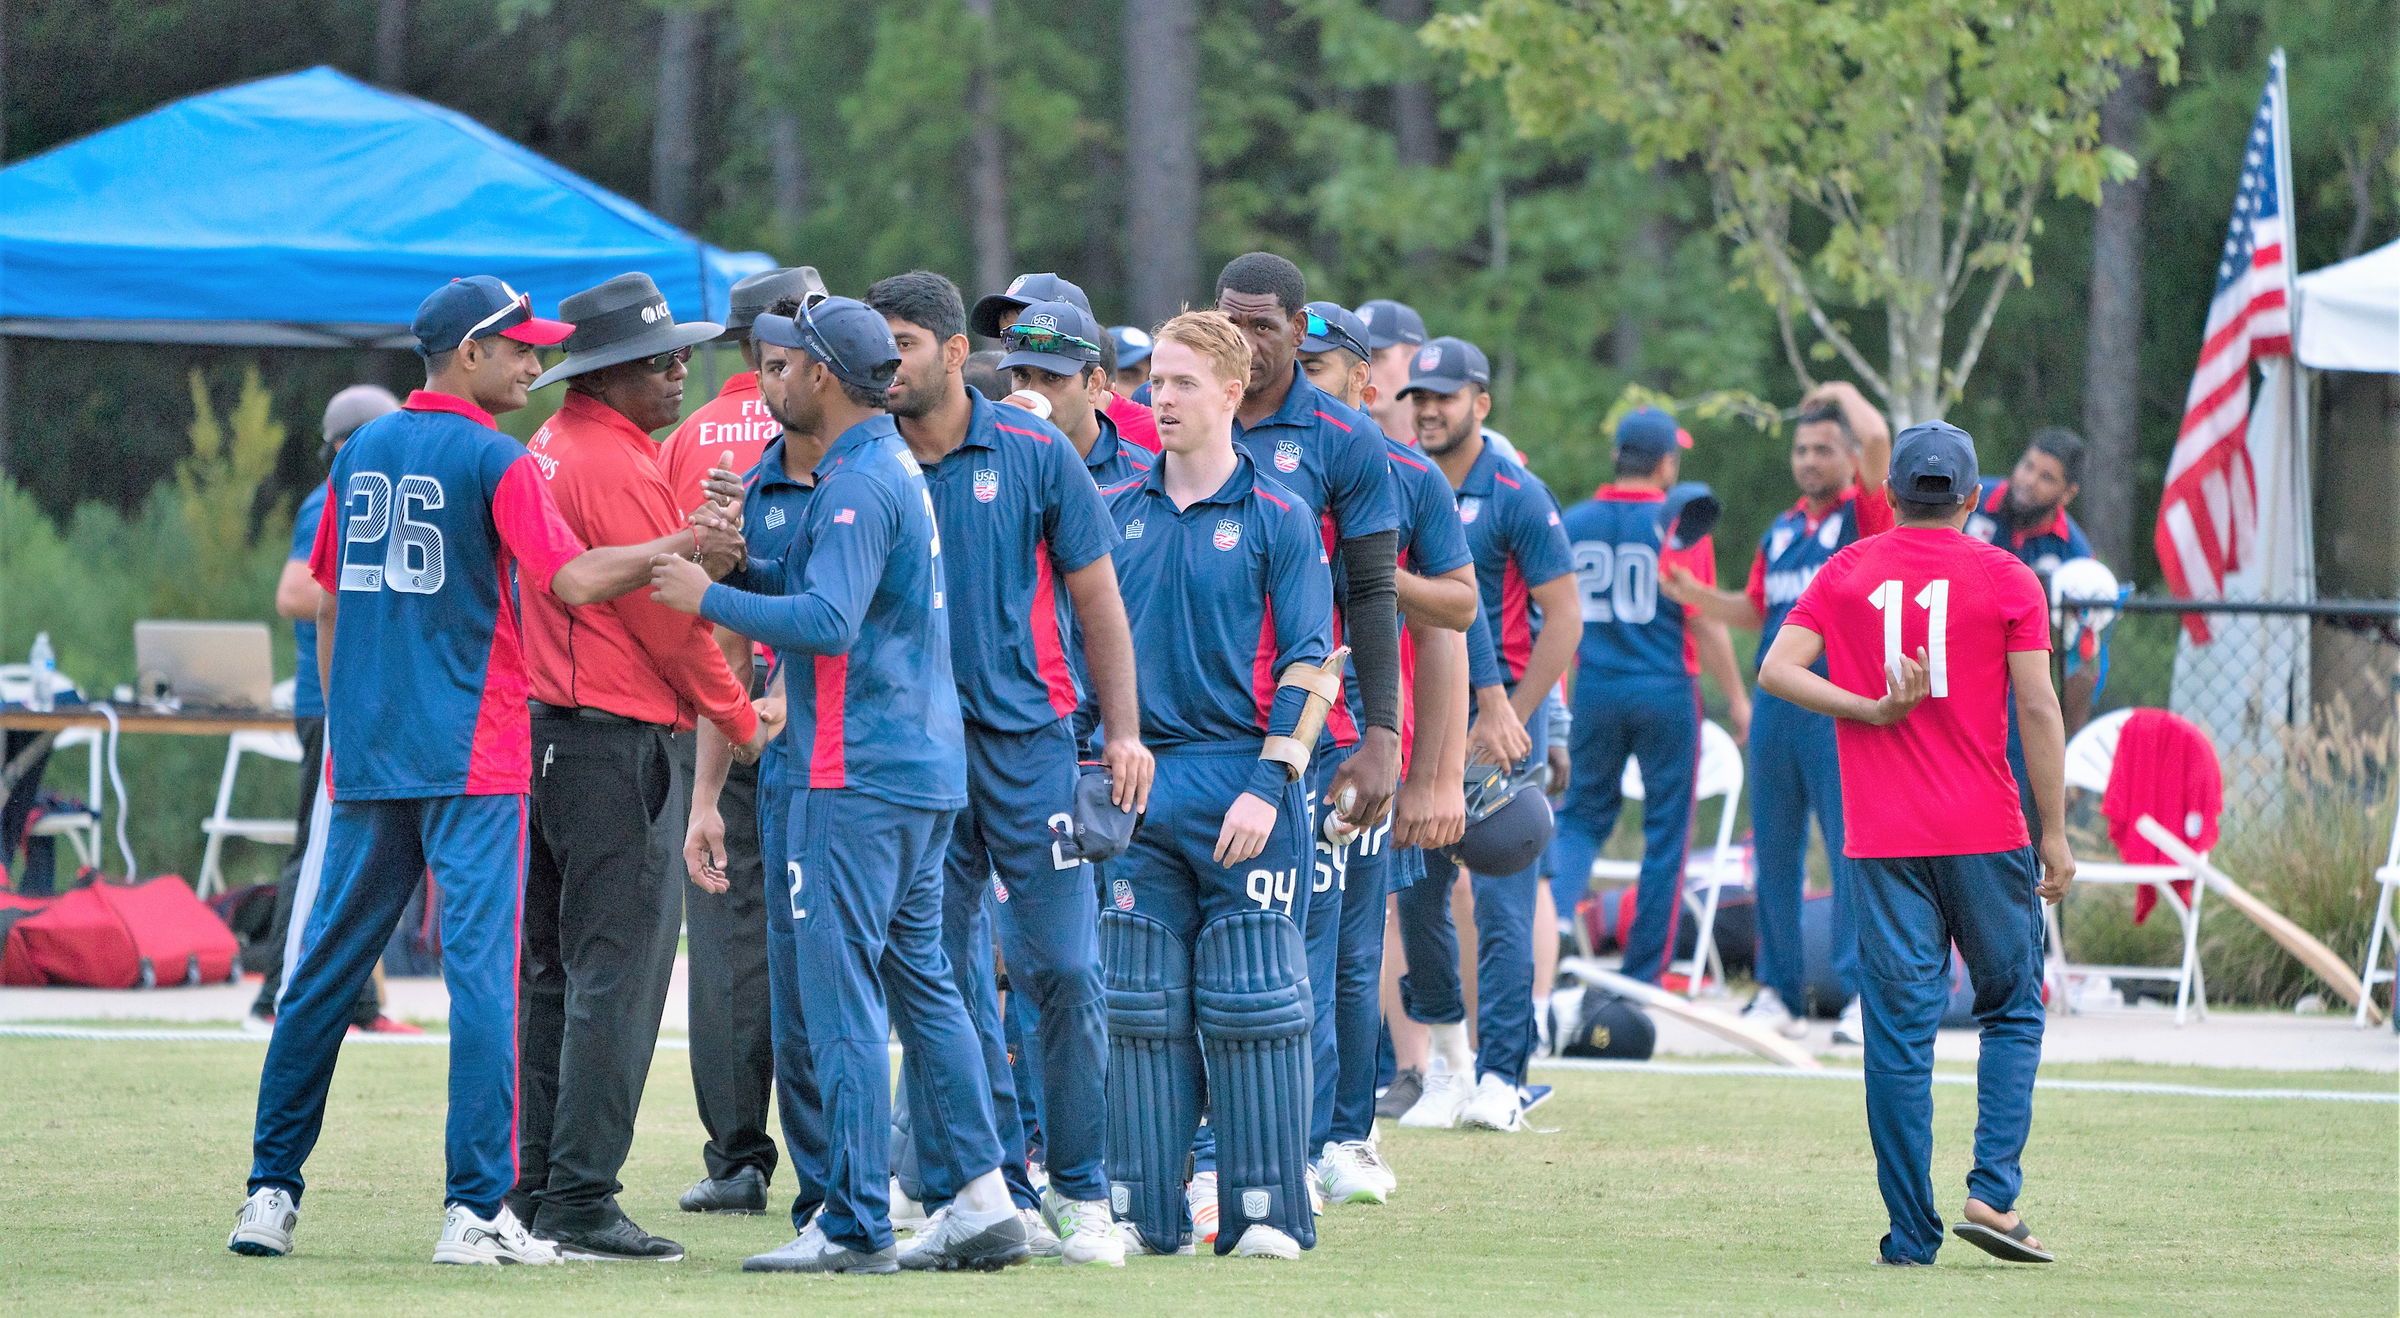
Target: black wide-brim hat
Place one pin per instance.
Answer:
(622, 320)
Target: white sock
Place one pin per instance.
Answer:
(986, 1196)
(1449, 1050)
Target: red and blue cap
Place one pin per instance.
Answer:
(1653, 431)
(477, 307)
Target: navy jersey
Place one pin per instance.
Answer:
(1225, 595)
(1628, 629)
(1114, 460)
(864, 633)
(2043, 548)
(434, 510)
(1513, 529)
(1331, 456)
(772, 503)
(1797, 544)
(1432, 541)
(308, 696)
(1017, 510)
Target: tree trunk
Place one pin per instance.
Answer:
(987, 162)
(2112, 345)
(1914, 328)
(1416, 133)
(1162, 139)
(787, 169)
(1631, 318)
(674, 130)
(391, 43)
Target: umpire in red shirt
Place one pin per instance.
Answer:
(617, 688)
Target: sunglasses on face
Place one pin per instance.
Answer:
(666, 361)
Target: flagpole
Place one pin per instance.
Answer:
(2303, 414)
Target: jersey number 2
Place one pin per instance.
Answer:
(1935, 600)
(411, 550)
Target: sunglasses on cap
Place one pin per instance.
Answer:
(516, 302)
(1035, 338)
(1318, 327)
(821, 347)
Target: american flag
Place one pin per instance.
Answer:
(2208, 516)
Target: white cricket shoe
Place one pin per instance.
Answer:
(906, 1213)
(1265, 1242)
(1496, 1106)
(1200, 1196)
(263, 1229)
(1130, 1236)
(1040, 1240)
(1852, 1027)
(1085, 1230)
(1445, 1097)
(1766, 1008)
(467, 1238)
(1345, 1182)
(1371, 1164)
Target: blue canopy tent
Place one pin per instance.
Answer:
(312, 210)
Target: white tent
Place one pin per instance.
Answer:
(2349, 315)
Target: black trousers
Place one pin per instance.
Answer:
(733, 1041)
(603, 904)
(287, 883)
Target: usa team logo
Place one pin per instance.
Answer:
(1469, 509)
(987, 485)
(1229, 534)
(1287, 456)
(1120, 892)
(999, 889)
(1428, 357)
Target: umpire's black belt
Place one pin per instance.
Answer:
(589, 715)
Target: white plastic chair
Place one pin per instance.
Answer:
(2091, 754)
(2387, 933)
(1720, 775)
(221, 824)
(81, 828)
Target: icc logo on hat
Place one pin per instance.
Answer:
(1429, 357)
(987, 484)
(654, 313)
(1229, 534)
(1287, 456)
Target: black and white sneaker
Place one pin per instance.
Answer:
(956, 1239)
(617, 1240)
(743, 1192)
(1408, 1085)
(810, 1251)
(467, 1238)
(264, 1227)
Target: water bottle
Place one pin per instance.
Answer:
(45, 674)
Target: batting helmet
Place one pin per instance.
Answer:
(1508, 821)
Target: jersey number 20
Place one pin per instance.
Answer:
(404, 553)
(1620, 582)
(1935, 600)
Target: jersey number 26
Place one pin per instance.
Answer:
(402, 552)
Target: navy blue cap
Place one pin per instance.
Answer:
(1023, 291)
(850, 337)
(1343, 330)
(476, 307)
(1447, 365)
(1390, 322)
(1934, 462)
(1653, 431)
(1133, 345)
(1690, 511)
(1038, 339)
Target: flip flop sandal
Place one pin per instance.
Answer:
(2013, 1245)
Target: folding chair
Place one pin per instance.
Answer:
(2387, 933)
(222, 824)
(1720, 775)
(2091, 756)
(81, 828)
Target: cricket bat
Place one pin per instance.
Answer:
(1757, 1038)
(2296, 940)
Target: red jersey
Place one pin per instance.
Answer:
(630, 656)
(1135, 425)
(1937, 783)
(735, 421)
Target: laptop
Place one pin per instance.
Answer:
(204, 665)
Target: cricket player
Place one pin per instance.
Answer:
(1928, 637)
(1224, 574)
(1840, 451)
(863, 629)
(1527, 593)
(1027, 529)
(429, 747)
(2025, 512)
(1637, 692)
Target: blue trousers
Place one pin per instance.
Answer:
(374, 853)
(1431, 991)
(1794, 773)
(1910, 912)
(1345, 966)
(1654, 721)
(863, 895)
(798, 1104)
(1004, 867)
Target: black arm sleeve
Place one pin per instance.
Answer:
(1371, 615)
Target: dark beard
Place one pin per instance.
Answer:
(1455, 438)
(2022, 518)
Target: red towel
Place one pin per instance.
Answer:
(2165, 768)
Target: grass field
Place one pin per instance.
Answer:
(122, 1163)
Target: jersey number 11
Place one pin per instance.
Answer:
(1935, 600)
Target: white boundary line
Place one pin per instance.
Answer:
(1704, 1069)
